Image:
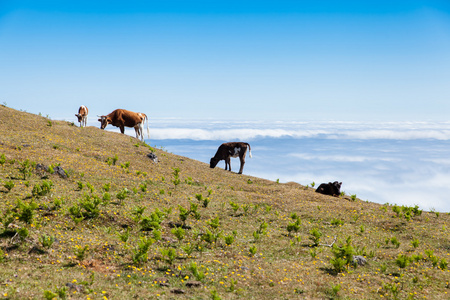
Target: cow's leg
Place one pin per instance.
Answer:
(141, 130)
(242, 159)
(122, 129)
(228, 161)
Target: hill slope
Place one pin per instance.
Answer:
(116, 225)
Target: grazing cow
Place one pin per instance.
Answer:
(123, 118)
(82, 115)
(140, 127)
(332, 189)
(228, 150)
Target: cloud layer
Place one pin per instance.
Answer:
(325, 130)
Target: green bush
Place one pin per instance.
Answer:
(343, 256)
(42, 189)
(9, 185)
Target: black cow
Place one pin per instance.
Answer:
(331, 189)
(228, 150)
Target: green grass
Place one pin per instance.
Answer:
(109, 231)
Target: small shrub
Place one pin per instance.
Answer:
(179, 233)
(199, 275)
(106, 197)
(140, 254)
(42, 189)
(46, 240)
(229, 239)
(125, 235)
(25, 168)
(126, 165)
(86, 208)
(112, 160)
(137, 213)
(23, 233)
(143, 187)
(313, 252)
(9, 185)
(107, 187)
(168, 254)
(402, 261)
(25, 211)
(90, 187)
(234, 206)
(49, 295)
(122, 194)
(210, 237)
(343, 256)
(443, 264)
(395, 242)
(80, 185)
(214, 223)
(80, 252)
(153, 222)
(316, 234)
(337, 222)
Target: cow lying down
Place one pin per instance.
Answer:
(228, 150)
(331, 189)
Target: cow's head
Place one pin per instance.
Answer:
(80, 117)
(337, 185)
(104, 120)
(213, 162)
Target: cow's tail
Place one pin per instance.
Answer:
(249, 150)
(148, 131)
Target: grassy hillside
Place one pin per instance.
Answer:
(123, 227)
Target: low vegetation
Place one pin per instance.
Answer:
(116, 225)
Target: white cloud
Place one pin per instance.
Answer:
(341, 158)
(222, 130)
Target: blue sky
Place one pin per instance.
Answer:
(274, 60)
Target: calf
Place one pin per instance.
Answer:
(332, 189)
(82, 115)
(228, 150)
(123, 118)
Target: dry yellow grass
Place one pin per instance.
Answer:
(283, 265)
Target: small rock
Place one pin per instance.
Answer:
(41, 167)
(77, 287)
(60, 171)
(37, 250)
(177, 291)
(192, 284)
(162, 281)
(359, 260)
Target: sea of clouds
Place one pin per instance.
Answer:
(405, 163)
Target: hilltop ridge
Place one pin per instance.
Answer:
(122, 226)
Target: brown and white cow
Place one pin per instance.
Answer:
(228, 150)
(123, 118)
(82, 115)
